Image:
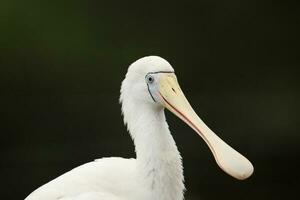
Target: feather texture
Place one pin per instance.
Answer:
(155, 174)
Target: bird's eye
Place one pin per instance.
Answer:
(149, 78)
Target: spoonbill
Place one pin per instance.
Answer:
(156, 173)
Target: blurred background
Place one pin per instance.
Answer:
(62, 63)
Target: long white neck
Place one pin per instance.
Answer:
(158, 159)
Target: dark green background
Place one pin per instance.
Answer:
(61, 65)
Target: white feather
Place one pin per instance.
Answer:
(156, 173)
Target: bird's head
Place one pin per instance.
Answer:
(143, 80)
(152, 81)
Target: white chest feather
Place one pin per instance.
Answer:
(159, 167)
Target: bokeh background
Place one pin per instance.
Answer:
(62, 62)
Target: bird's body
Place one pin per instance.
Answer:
(156, 173)
(88, 181)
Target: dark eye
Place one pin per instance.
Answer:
(149, 79)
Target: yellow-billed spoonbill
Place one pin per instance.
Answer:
(150, 86)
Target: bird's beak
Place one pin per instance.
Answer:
(228, 159)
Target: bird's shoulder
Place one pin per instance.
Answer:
(92, 196)
(90, 179)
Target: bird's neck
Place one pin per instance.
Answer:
(158, 159)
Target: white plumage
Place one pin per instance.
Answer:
(156, 173)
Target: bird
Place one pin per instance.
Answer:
(150, 86)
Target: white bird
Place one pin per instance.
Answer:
(150, 86)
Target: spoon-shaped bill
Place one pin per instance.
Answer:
(228, 159)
